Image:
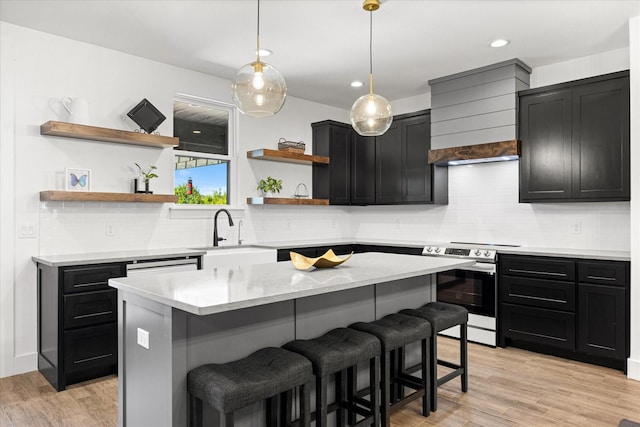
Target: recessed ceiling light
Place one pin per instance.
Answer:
(196, 131)
(499, 43)
(265, 52)
(356, 83)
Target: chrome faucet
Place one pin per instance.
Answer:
(216, 239)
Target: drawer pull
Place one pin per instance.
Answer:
(83, 285)
(610, 279)
(89, 359)
(537, 298)
(541, 273)
(101, 313)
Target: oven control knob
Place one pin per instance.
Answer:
(429, 249)
(477, 252)
(487, 253)
(437, 250)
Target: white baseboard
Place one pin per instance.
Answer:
(633, 369)
(24, 363)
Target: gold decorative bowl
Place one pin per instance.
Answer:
(327, 260)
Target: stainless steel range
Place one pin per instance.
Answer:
(473, 287)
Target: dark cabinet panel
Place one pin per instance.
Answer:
(91, 278)
(91, 347)
(363, 170)
(601, 140)
(538, 267)
(603, 272)
(539, 293)
(575, 141)
(602, 321)
(332, 181)
(389, 166)
(545, 134)
(90, 308)
(416, 134)
(542, 326)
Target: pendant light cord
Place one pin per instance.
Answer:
(371, 52)
(258, 33)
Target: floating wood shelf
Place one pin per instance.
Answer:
(478, 151)
(82, 196)
(94, 133)
(285, 201)
(286, 156)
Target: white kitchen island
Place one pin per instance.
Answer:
(222, 314)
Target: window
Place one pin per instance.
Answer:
(204, 167)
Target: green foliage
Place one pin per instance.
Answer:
(270, 185)
(196, 198)
(148, 173)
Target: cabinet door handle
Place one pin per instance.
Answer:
(610, 279)
(101, 313)
(89, 359)
(82, 285)
(541, 273)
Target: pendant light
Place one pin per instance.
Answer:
(259, 89)
(371, 114)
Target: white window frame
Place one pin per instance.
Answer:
(231, 157)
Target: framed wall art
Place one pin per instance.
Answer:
(77, 179)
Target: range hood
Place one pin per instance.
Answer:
(474, 114)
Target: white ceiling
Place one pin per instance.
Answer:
(321, 46)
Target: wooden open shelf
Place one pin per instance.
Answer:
(286, 201)
(81, 196)
(286, 156)
(94, 133)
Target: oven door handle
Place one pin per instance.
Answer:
(481, 267)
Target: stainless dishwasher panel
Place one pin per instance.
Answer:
(161, 266)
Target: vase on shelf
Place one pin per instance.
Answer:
(136, 187)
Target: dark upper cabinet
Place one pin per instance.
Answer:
(333, 181)
(575, 141)
(388, 169)
(363, 169)
(389, 175)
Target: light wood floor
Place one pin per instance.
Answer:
(507, 387)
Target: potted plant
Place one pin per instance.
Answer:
(269, 186)
(146, 175)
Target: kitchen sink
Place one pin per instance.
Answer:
(230, 256)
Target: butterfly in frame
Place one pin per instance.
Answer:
(78, 182)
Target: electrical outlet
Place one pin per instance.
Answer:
(109, 230)
(27, 231)
(143, 338)
(577, 227)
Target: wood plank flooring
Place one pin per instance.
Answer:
(507, 387)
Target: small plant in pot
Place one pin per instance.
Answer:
(145, 175)
(270, 186)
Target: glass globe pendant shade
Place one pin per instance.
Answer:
(259, 90)
(371, 115)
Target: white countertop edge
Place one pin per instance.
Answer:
(121, 284)
(114, 256)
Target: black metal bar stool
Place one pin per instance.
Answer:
(263, 375)
(394, 332)
(443, 316)
(337, 353)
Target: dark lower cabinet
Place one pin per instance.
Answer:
(601, 316)
(568, 307)
(575, 141)
(77, 322)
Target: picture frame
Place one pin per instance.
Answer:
(77, 179)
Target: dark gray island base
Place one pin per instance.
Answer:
(223, 314)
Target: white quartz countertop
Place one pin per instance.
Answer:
(218, 290)
(113, 256)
